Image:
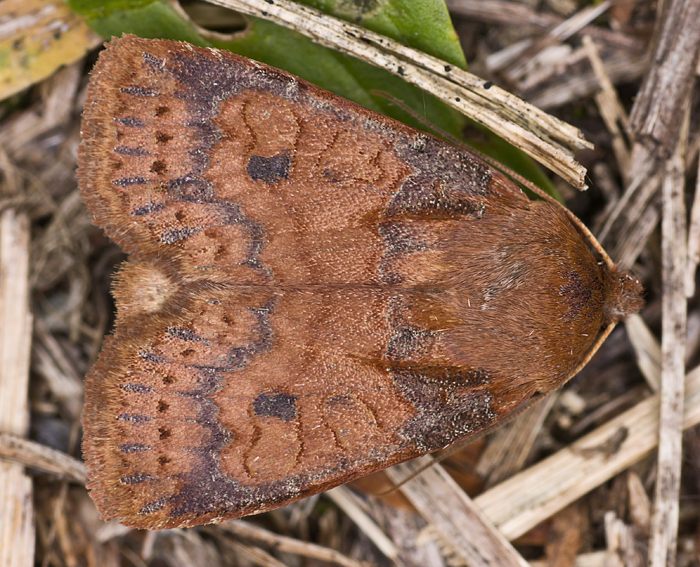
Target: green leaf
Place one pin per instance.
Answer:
(371, 87)
(422, 24)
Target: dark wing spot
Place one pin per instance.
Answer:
(133, 417)
(159, 167)
(577, 294)
(153, 61)
(147, 209)
(281, 406)
(184, 334)
(130, 121)
(136, 478)
(269, 169)
(137, 388)
(131, 151)
(153, 506)
(134, 448)
(128, 181)
(177, 234)
(139, 91)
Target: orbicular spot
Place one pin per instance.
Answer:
(162, 110)
(281, 406)
(162, 406)
(164, 432)
(269, 169)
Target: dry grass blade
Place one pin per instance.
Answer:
(284, 544)
(655, 123)
(656, 117)
(345, 500)
(532, 496)
(664, 536)
(647, 349)
(693, 239)
(544, 137)
(507, 12)
(511, 445)
(527, 57)
(37, 456)
(445, 506)
(611, 110)
(16, 509)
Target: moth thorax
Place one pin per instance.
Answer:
(623, 295)
(142, 288)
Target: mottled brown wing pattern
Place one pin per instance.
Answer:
(305, 301)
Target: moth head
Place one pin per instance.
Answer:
(623, 295)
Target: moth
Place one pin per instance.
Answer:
(314, 292)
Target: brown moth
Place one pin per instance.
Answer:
(314, 291)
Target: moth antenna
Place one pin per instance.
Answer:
(414, 474)
(443, 455)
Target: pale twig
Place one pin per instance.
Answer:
(520, 14)
(284, 544)
(647, 349)
(544, 137)
(40, 457)
(658, 109)
(344, 499)
(511, 445)
(445, 506)
(693, 240)
(530, 497)
(664, 533)
(16, 510)
(529, 56)
(610, 107)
